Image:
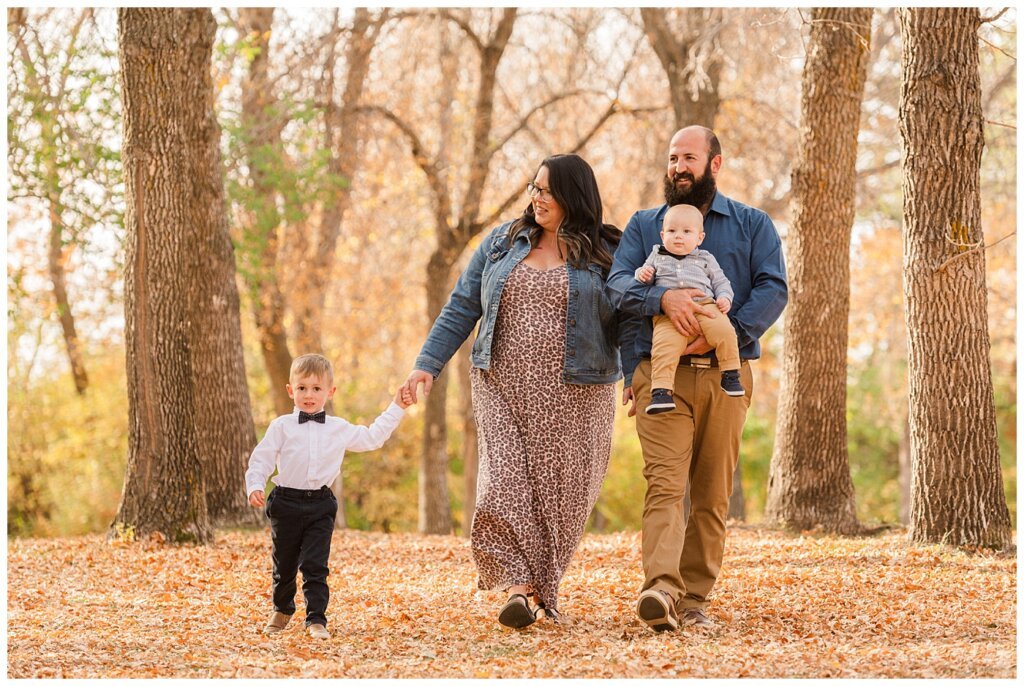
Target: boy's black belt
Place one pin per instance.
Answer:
(322, 492)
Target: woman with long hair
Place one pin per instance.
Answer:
(545, 361)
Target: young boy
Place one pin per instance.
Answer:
(307, 447)
(679, 263)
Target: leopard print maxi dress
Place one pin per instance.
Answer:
(544, 444)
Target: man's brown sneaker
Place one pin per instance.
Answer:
(276, 624)
(657, 610)
(695, 617)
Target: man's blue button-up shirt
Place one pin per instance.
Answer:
(747, 246)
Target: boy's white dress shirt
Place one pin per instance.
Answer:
(309, 455)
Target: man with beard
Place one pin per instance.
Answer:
(698, 441)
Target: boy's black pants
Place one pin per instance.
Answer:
(301, 524)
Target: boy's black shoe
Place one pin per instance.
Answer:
(731, 382)
(661, 401)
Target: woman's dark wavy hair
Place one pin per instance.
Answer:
(574, 187)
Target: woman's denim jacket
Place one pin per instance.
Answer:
(593, 328)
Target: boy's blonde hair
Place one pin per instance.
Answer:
(311, 364)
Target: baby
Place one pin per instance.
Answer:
(679, 263)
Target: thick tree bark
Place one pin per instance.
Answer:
(177, 197)
(262, 131)
(810, 484)
(691, 56)
(957, 487)
(163, 55)
(223, 411)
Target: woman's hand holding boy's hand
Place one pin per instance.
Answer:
(404, 397)
(417, 377)
(256, 499)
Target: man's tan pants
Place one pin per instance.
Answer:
(668, 344)
(698, 441)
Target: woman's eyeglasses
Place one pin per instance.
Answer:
(536, 192)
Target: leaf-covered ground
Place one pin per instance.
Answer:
(406, 606)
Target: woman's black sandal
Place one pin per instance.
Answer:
(551, 615)
(516, 613)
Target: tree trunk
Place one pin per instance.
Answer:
(434, 508)
(435, 516)
(165, 65)
(691, 56)
(341, 138)
(470, 456)
(810, 484)
(957, 487)
(262, 133)
(60, 295)
(223, 412)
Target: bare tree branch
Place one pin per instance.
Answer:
(608, 114)
(986, 20)
(230, 17)
(464, 25)
(69, 51)
(43, 66)
(996, 47)
(999, 123)
(973, 247)
(613, 108)
(483, 118)
(418, 150)
(637, 111)
(496, 215)
(878, 169)
(521, 124)
(766, 106)
(1008, 78)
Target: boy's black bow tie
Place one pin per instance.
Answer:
(319, 417)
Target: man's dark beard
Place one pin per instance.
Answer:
(700, 193)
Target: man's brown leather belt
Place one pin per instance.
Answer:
(701, 361)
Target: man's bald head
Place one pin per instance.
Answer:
(714, 148)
